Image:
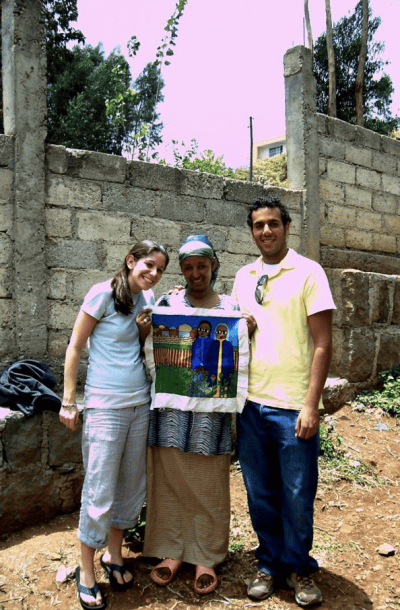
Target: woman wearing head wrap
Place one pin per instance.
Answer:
(188, 506)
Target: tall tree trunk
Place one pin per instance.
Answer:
(361, 63)
(331, 61)
(309, 32)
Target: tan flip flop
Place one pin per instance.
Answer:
(200, 570)
(173, 566)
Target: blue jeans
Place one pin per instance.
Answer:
(114, 443)
(280, 472)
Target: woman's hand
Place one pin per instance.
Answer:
(251, 323)
(176, 289)
(143, 321)
(69, 416)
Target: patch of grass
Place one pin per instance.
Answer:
(235, 546)
(242, 535)
(325, 545)
(335, 466)
(322, 540)
(386, 396)
(329, 440)
(340, 469)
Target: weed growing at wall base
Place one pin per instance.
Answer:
(386, 396)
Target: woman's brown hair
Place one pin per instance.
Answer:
(119, 283)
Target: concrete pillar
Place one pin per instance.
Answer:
(24, 96)
(302, 142)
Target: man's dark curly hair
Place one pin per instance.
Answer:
(268, 202)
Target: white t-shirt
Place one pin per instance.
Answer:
(269, 269)
(116, 374)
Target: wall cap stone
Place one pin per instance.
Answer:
(96, 165)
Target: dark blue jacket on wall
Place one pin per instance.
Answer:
(27, 385)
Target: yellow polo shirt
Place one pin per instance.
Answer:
(282, 348)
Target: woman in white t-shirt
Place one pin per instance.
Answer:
(114, 320)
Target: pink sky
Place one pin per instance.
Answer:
(228, 62)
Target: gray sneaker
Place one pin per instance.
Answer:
(261, 586)
(306, 592)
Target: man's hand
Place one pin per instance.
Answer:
(307, 422)
(251, 323)
(320, 325)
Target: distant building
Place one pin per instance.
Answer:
(269, 148)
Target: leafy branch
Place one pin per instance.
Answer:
(124, 95)
(165, 48)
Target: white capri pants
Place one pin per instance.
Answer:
(114, 456)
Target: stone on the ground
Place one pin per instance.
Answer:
(64, 574)
(386, 549)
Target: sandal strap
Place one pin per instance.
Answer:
(116, 568)
(89, 590)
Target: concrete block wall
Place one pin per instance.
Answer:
(98, 205)
(359, 189)
(366, 325)
(41, 470)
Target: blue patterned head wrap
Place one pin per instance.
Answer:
(199, 245)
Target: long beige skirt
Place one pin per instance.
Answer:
(188, 506)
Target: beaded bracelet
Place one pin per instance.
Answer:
(69, 407)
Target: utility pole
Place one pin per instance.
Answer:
(251, 149)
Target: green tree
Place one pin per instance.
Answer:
(79, 110)
(206, 161)
(143, 132)
(269, 171)
(378, 87)
(58, 17)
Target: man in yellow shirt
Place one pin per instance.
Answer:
(289, 299)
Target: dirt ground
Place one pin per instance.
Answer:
(351, 521)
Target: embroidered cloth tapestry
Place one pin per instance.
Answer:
(198, 361)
